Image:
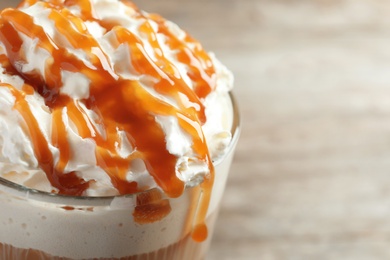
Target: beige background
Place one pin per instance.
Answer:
(311, 176)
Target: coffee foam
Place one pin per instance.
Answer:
(20, 148)
(80, 228)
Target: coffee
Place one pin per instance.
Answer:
(117, 130)
(38, 224)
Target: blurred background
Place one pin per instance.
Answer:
(311, 176)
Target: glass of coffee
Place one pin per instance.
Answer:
(117, 131)
(40, 225)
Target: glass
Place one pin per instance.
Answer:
(39, 225)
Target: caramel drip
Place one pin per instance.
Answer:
(120, 104)
(67, 183)
(201, 69)
(151, 207)
(59, 139)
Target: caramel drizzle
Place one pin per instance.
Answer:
(122, 104)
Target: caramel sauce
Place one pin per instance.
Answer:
(151, 207)
(121, 104)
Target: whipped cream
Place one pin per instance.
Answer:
(61, 66)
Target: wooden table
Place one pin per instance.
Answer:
(311, 176)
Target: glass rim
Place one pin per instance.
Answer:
(40, 195)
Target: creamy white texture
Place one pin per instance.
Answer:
(16, 146)
(114, 223)
(63, 124)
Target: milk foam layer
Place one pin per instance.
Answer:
(192, 109)
(49, 224)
